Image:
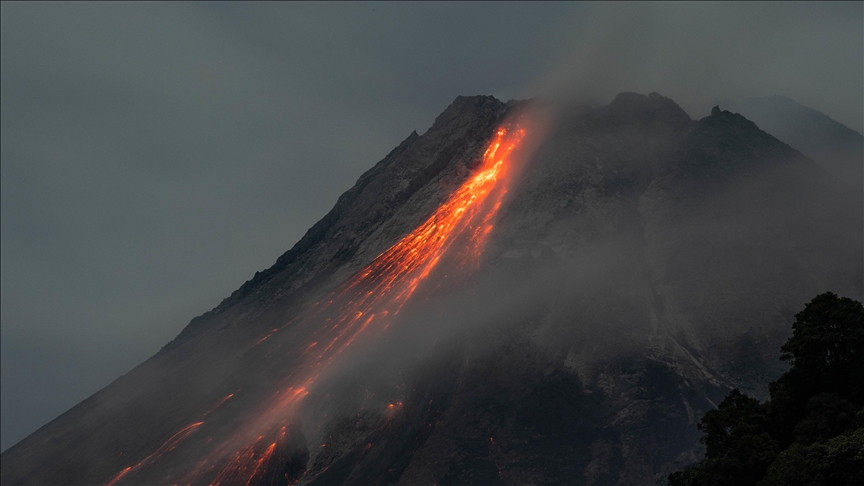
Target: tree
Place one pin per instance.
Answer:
(738, 446)
(836, 461)
(809, 431)
(827, 355)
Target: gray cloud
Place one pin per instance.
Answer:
(154, 156)
(699, 53)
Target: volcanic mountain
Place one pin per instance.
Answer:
(526, 293)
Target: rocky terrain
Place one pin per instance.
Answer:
(642, 265)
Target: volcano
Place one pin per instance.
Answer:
(526, 293)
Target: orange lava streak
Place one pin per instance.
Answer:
(370, 298)
(382, 287)
(218, 404)
(250, 463)
(265, 337)
(168, 446)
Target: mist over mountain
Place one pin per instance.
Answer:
(640, 265)
(836, 147)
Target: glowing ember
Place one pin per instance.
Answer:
(368, 300)
(218, 404)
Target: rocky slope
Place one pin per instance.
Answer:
(643, 264)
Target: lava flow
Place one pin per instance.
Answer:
(369, 300)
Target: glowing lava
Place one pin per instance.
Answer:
(370, 299)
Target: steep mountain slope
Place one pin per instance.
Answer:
(642, 264)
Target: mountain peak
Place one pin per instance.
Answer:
(733, 137)
(468, 106)
(653, 111)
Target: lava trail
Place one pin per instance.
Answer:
(168, 446)
(364, 305)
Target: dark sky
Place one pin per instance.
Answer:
(156, 155)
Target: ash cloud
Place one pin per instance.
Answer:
(700, 54)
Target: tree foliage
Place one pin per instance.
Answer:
(811, 431)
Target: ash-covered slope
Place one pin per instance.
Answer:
(643, 264)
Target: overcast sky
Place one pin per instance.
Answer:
(156, 155)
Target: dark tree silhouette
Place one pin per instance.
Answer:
(811, 431)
